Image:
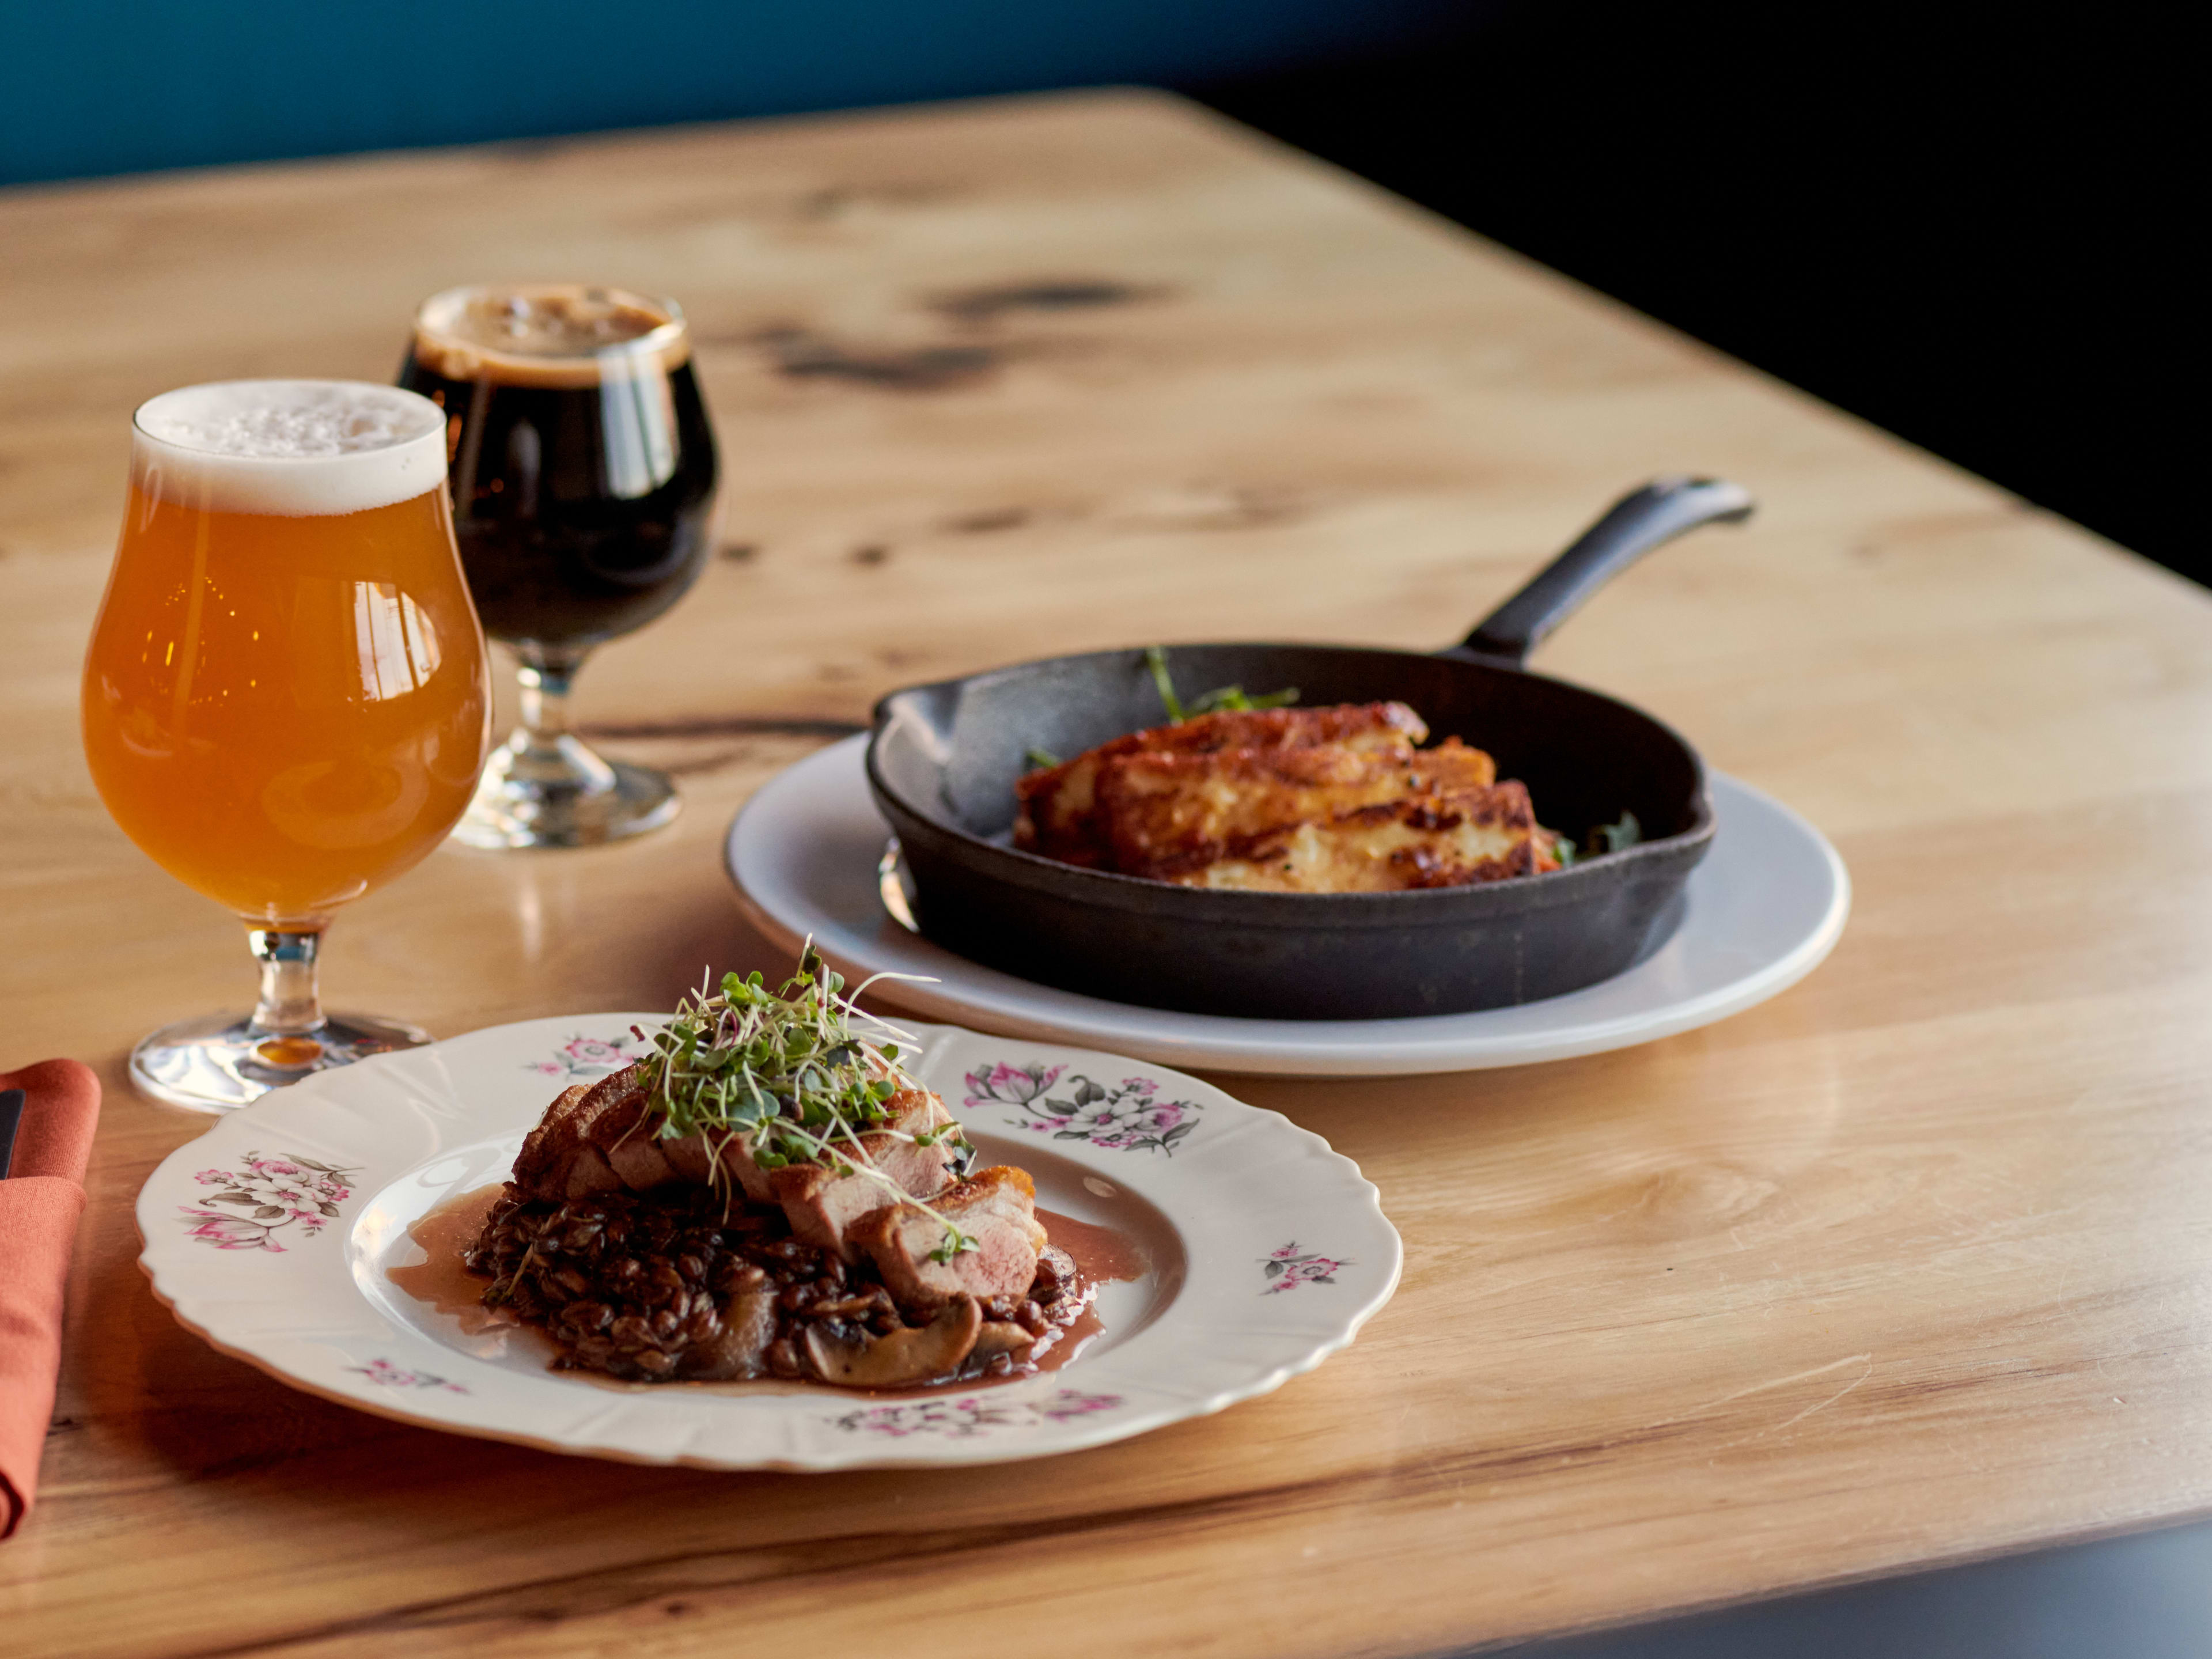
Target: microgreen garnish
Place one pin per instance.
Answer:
(1563, 850)
(1041, 760)
(786, 1069)
(1232, 699)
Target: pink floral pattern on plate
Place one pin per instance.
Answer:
(1287, 1269)
(586, 1056)
(1129, 1116)
(391, 1376)
(977, 1414)
(265, 1197)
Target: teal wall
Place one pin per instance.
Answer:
(90, 87)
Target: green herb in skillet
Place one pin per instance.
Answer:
(1230, 699)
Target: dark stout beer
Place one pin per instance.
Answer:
(581, 463)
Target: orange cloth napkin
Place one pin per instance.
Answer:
(40, 1204)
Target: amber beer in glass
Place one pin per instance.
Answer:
(583, 485)
(286, 702)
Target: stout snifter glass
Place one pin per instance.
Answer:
(286, 697)
(583, 487)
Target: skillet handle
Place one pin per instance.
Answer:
(1637, 522)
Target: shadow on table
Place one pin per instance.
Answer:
(2147, 1596)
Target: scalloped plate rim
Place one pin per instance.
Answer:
(287, 1357)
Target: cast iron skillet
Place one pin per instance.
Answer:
(943, 758)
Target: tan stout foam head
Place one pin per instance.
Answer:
(553, 334)
(287, 448)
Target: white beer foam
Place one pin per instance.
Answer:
(560, 335)
(290, 448)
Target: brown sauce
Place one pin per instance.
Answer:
(441, 1280)
(1100, 1252)
(1101, 1255)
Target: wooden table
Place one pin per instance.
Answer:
(1911, 1264)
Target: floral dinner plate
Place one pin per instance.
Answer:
(271, 1236)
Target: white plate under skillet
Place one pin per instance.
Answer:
(271, 1236)
(1761, 912)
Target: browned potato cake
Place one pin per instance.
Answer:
(1429, 841)
(1336, 799)
(1057, 810)
(1164, 814)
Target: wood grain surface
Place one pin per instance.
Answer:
(1910, 1264)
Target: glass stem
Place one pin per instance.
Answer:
(544, 755)
(546, 677)
(289, 1005)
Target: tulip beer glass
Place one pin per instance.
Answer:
(583, 487)
(286, 702)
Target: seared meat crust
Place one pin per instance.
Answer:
(565, 1156)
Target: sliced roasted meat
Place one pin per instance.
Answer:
(693, 1157)
(916, 1111)
(690, 1157)
(563, 1157)
(824, 1204)
(541, 1168)
(995, 1207)
(596, 1138)
(913, 1112)
(623, 1132)
(602, 1138)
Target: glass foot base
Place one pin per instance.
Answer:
(584, 801)
(222, 1062)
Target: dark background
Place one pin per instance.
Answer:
(1962, 224)
(1957, 220)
